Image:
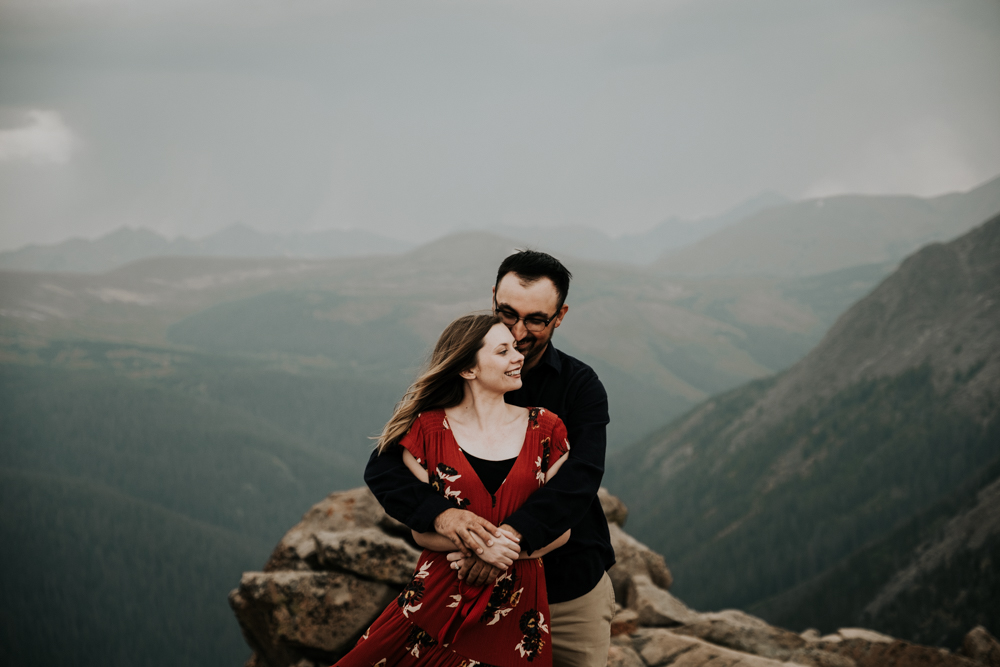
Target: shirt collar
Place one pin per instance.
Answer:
(551, 358)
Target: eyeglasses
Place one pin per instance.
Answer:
(532, 323)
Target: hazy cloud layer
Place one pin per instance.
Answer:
(414, 118)
(44, 139)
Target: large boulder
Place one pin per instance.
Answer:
(329, 577)
(367, 552)
(288, 616)
(655, 607)
(340, 511)
(659, 647)
(742, 632)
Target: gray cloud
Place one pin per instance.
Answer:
(415, 118)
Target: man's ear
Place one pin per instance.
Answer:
(493, 294)
(560, 316)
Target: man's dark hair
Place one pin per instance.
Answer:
(532, 265)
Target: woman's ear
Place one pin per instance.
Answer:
(468, 374)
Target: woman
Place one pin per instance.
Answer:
(486, 457)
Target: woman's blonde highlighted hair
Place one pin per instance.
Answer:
(440, 385)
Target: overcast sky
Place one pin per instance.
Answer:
(415, 118)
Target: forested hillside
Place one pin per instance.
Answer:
(139, 482)
(926, 581)
(760, 489)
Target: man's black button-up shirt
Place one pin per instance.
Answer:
(569, 388)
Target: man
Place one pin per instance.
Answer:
(529, 295)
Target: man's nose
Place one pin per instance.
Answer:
(519, 331)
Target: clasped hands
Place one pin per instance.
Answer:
(483, 550)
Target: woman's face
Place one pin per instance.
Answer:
(498, 363)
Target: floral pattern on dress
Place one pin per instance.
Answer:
(469, 662)
(503, 599)
(417, 640)
(439, 478)
(543, 462)
(409, 598)
(532, 626)
(533, 415)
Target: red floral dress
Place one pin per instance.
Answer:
(439, 621)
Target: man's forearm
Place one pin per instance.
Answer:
(403, 496)
(561, 504)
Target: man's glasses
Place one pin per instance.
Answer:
(532, 323)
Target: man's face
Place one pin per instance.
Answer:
(538, 299)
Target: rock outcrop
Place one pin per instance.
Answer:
(338, 568)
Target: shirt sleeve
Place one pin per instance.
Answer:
(404, 497)
(564, 500)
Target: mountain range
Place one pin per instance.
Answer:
(127, 244)
(822, 235)
(767, 235)
(762, 491)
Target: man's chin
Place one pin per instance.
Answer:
(531, 353)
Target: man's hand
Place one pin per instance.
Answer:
(473, 570)
(469, 532)
(511, 533)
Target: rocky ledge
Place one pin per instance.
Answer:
(335, 571)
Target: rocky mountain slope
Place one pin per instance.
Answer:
(928, 580)
(822, 235)
(335, 571)
(763, 488)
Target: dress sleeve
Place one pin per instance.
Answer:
(560, 440)
(414, 442)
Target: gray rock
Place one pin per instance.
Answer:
(625, 622)
(742, 632)
(659, 647)
(282, 612)
(368, 552)
(624, 656)
(635, 558)
(343, 510)
(982, 647)
(894, 653)
(655, 606)
(614, 509)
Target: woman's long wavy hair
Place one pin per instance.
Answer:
(440, 385)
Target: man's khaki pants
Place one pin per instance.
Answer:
(581, 628)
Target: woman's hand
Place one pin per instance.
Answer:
(502, 553)
(474, 571)
(469, 532)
